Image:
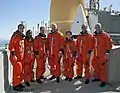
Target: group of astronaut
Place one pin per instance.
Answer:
(24, 50)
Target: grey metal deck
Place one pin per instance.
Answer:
(76, 86)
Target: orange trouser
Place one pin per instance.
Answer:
(79, 69)
(99, 65)
(54, 65)
(28, 71)
(68, 68)
(40, 69)
(17, 70)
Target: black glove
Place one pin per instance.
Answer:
(89, 52)
(36, 52)
(13, 53)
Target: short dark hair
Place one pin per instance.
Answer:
(28, 31)
(41, 27)
(21, 25)
(69, 32)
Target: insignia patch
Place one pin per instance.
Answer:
(14, 35)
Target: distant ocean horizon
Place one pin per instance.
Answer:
(2, 44)
(1, 48)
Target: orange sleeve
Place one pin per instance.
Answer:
(12, 43)
(74, 45)
(90, 41)
(36, 44)
(62, 43)
(93, 42)
(47, 44)
(77, 43)
(61, 40)
(74, 49)
(25, 44)
(108, 42)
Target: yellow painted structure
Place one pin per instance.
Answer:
(62, 12)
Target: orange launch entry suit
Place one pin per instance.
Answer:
(16, 47)
(102, 45)
(29, 60)
(40, 47)
(84, 45)
(69, 48)
(55, 43)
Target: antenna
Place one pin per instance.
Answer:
(94, 6)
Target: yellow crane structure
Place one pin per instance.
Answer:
(62, 12)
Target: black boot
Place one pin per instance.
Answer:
(70, 79)
(32, 80)
(95, 80)
(87, 81)
(78, 77)
(103, 84)
(42, 77)
(53, 77)
(18, 88)
(57, 79)
(22, 86)
(66, 78)
(38, 81)
(27, 84)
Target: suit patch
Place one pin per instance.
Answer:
(14, 35)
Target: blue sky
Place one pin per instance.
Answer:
(32, 11)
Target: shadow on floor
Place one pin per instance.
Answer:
(76, 86)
